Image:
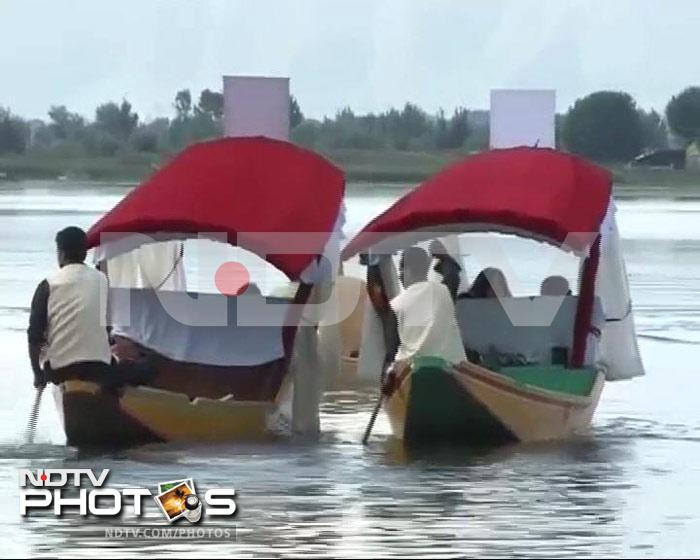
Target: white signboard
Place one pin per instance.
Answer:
(520, 117)
(256, 106)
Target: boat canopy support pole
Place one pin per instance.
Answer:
(584, 310)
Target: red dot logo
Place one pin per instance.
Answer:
(231, 278)
(43, 477)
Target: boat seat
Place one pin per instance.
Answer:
(528, 327)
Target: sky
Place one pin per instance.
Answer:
(365, 54)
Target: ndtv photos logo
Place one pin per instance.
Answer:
(84, 491)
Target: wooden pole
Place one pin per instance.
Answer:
(33, 417)
(372, 418)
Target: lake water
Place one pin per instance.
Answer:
(632, 489)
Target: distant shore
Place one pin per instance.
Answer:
(382, 167)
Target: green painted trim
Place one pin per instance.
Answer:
(559, 379)
(440, 408)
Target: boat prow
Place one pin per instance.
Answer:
(467, 402)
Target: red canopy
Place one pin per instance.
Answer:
(534, 192)
(242, 187)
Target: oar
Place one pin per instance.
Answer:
(370, 425)
(33, 416)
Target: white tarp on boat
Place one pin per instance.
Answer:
(151, 265)
(204, 330)
(618, 349)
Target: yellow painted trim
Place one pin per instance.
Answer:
(553, 416)
(574, 400)
(174, 418)
(396, 406)
(526, 416)
(78, 386)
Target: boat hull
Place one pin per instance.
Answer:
(179, 402)
(94, 418)
(132, 416)
(470, 403)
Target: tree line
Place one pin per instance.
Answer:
(605, 126)
(115, 128)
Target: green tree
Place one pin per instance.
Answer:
(179, 133)
(604, 125)
(97, 142)
(307, 133)
(211, 103)
(452, 134)
(145, 141)
(66, 125)
(559, 122)
(459, 128)
(441, 130)
(295, 114)
(41, 135)
(413, 121)
(654, 131)
(152, 136)
(203, 126)
(13, 133)
(400, 128)
(117, 121)
(683, 114)
(183, 104)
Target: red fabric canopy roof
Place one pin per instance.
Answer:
(241, 187)
(534, 192)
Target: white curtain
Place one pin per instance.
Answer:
(152, 265)
(618, 350)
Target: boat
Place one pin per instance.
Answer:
(224, 366)
(537, 364)
(350, 295)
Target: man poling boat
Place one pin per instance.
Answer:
(536, 365)
(223, 366)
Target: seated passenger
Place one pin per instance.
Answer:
(555, 286)
(252, 289)
(425, 313)
(447, 267)
(490, 283)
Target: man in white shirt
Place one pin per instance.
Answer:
(425, 313)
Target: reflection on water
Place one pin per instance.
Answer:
(629, 489)
(336, 497)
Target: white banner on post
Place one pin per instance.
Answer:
(256, 106)
(521, 117)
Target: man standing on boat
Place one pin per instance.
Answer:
(425, 313)
(68, 315)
